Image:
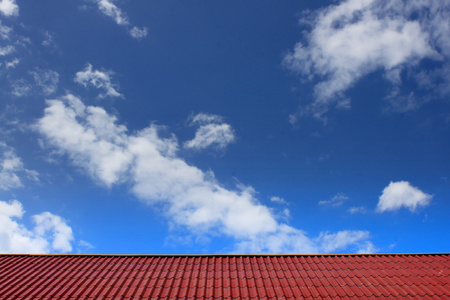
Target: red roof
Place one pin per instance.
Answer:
(403, 276)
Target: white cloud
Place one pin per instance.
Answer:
(48, 39)
(11, 168)
(97, 144)
(6, 50)
(5, 31)
(138, 33)
(61, 233)
(50, 234)
(12, 64)
(98, 79)
(331, 242)
(85, 245)
(336, 201)
(111, 10)
(368, 247)
(212, 132)
(357, 210)
(278, 200)
(20, 88)
(190, 198)
(204, 119)
(46, 79)
(9, 8)
(402, 194)
(108, 8)
(356, 37)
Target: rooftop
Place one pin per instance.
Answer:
(376, 276)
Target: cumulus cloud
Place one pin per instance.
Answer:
(336, 201)
(11, 168)
(402, 194)
(9, 8)
(108, 8)
(50, 233)
(98, 79)
(356, 37)
(211, 132)
(190, 198)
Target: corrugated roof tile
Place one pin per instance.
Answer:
(72, 277)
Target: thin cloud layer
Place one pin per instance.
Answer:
(47, 80)
(356, 37)
(50, 233)
(331, 242)
(211, 133)
(335, 201)
(402, 194)
(191, 199)
(108, 8)
(98, 79)
(9, 8)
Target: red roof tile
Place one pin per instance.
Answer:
(227, 277)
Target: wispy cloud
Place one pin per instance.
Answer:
(5, 31)
(6, 50)
(212, 132)
(402, 194)
(356, 37)
(278, 200)
(357, 210)
(138, 33)
(335, 201)
(99, 79)
(331, 242)
(47, 80)
(190, 198)
(108, 8)
(50, 233)
(9, 8)
(12, 64)
(12, 169)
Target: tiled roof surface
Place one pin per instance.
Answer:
(408, 276)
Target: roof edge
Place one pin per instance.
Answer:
(228, 255)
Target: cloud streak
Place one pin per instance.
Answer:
(109, 9)
(190, 198)
(335, 201)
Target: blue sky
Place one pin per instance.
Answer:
(224, 127)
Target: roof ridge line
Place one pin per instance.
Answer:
(228, 255)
